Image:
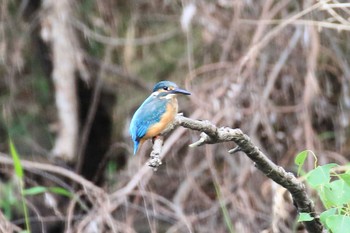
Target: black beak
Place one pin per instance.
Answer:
(180, 91)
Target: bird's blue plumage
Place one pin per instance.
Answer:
(149, 113)
(163, 84)
(152, 110)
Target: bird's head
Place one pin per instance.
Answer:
(167, 89)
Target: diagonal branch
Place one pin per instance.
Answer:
(212, 134)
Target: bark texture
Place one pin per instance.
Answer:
(57, 32)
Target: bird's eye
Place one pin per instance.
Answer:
(166, 88)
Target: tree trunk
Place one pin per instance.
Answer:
(58, 33)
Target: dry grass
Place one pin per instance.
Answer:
(279, 70)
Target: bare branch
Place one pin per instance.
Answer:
(155, 161)
(212, 134)
(32, 166)
(122, 41)
(7, 226)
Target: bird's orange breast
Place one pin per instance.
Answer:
(165, 121)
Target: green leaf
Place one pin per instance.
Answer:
(305, 217)
(34, 190)
(337, 193)
(16, 160)
(60, 191)
(300, 160)
(338, 223)
(324, 198)
(41, 189)
(320, 175)
(326, 214)
(301, 157)
(345, 177)
(224, 209)
(19, 174)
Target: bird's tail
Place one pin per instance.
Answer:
(136, 146)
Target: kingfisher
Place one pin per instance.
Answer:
(156, 114)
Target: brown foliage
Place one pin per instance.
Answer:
(278, 70)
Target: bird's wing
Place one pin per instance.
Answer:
(149, 113)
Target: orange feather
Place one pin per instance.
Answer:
(165, 121)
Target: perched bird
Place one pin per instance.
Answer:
(156, 113)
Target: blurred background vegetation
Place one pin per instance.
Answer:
(279, 70)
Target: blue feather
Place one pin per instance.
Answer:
(149, 113)
(136, 146)
(162, 84)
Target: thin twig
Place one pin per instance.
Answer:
(147, 40)
(273, 76)
(155, 161)
(28, 165)
(272, 33)
(304, 22)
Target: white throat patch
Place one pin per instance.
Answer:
(169, 96)
(156, 93)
